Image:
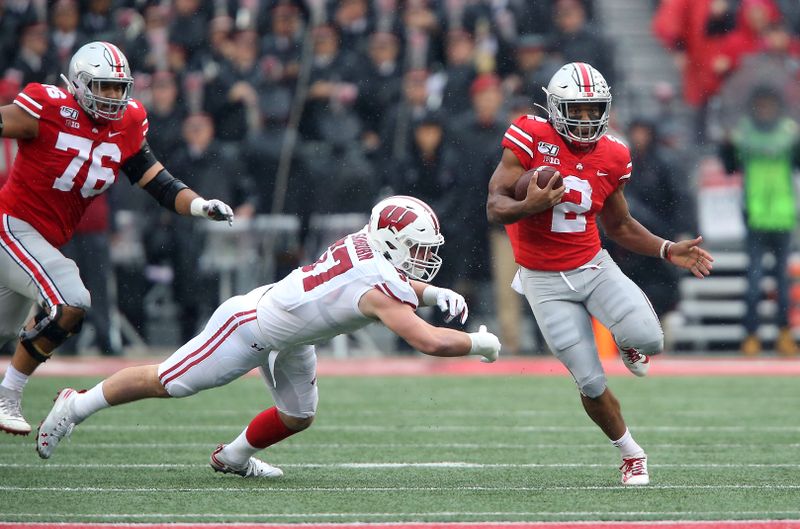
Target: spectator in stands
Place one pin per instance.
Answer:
(354, 23)
(399, 119)
(695, 30)
(471, 137)
(534, 68)
(148, 50)
(34, 63)
(97, 21)
(209, 167)
(459, 71)
(419, 173)
(575, 40)
(659, 200)
(166, 114)
(14, 16)
(281, 47)
(89, 248)
(420, 32)
(379, 84)
(765, 148)
(65, 37)
(231, 97)
(189, 26)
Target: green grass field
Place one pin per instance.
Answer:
(422, 449)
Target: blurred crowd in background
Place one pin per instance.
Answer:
(356, 99)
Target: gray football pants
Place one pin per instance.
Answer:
(32, 270)
(563, 303)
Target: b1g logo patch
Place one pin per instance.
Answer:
(548, 148)
(69, 113)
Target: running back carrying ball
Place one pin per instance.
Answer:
(545, 174)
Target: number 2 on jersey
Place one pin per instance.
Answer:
(99, 177)
(341, 263)
(570, 215)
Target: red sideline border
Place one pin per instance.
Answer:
(427, 366)
(740, 524)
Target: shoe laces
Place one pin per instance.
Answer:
(632, 355)
(633, 466)
(10, 405)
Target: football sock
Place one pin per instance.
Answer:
(264, 430)
(627, 446)
(88, 403)
(14, 380)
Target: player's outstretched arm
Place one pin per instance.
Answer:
(449, 301)
(16, 123)
(424, 337)
(148, 173)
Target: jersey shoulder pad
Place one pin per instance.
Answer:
(395, 284)
(619, 156)
(36, 99)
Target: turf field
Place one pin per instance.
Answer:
(422, 449)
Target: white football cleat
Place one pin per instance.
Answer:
(636, 362)
(11, 419)
(634, 471)
(58, 424)
(254, 468)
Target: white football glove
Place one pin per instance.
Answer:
(485, 344)
(211, 209)
(448, 301)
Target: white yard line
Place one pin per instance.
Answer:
(390, 466)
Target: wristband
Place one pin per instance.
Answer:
(430, 295)
(197, 207)
(664, 251)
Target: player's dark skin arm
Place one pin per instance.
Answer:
(18, 124)
(502, 207)
(629, 233)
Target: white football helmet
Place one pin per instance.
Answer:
(578, 82)
(93, 64)
(406, 231)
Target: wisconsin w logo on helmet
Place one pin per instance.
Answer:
(405, 230)
(396, 217)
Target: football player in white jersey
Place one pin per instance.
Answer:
(378, 273)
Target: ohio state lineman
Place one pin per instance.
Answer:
(565, 274)
(378, 273)
(72, 145)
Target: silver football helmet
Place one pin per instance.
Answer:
(406, 231)
(576, 83)
(93, 65)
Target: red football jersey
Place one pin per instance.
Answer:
(73, 159)
(565, 236)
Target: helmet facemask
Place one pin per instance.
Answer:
(423, 261)
(88, 92)
(575, 129)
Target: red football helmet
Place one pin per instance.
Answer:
(406, 231)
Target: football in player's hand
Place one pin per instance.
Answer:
(545, 174)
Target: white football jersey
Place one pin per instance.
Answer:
(316, 302)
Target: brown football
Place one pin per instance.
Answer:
(545, 174)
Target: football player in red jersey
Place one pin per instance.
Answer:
(563, 271)
(72, 145)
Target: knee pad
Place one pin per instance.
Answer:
(47, 326)
(594, 387)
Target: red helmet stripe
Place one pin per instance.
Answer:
(116, 55)
(586, 77)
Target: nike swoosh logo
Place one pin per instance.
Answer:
(112, 134)
(601, 173)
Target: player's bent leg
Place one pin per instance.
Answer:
(49, 329)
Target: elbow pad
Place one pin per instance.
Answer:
(164, 188)
(137, 165)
